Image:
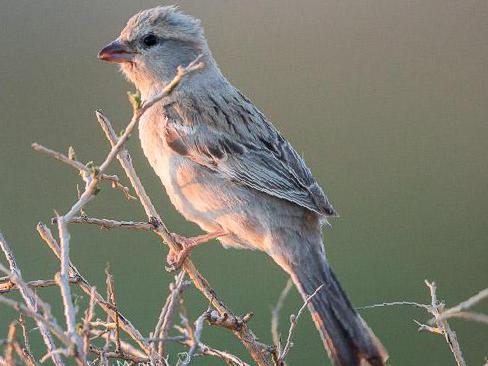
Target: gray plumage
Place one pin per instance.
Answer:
(227, 168)
(232, 138)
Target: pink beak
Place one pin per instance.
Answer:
(116, 52)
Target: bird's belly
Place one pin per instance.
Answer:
(203, 197)
(212, 202)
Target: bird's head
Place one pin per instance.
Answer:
(153, 44)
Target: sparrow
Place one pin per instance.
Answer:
(226, 168)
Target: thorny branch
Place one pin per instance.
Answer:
(167, 311)
(443, 326)
(84, 170)
(275, 317)
(191, 337)
(125, 324)
(7, 285)
(293, 322)
(438, 324)
(13, 344)
(461, 308)
(30, 300)
(111, 224)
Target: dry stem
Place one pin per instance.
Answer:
(167, 311)
(438, 324)
(275, 314)
(125, 324)
(293, 323)
(29, 299)
(8, 286)
(111, 224)
(442, 324)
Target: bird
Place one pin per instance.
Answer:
(227, 168)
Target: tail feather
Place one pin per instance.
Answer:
(346, 337)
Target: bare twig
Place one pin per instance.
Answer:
(275, 314)
(427, 328)
(14, 345)
(30, 300)
(113, 301)
(395, 303)
(443, 325)
(223, 355)
(196, 335)
(89, 313)
(167, 311)
(126, 348)
(25, 334)
(48, 325)
(106, 325)
(9, 350)
(59, 351)
(62, 278)
(111, 224)
(82, 168)
(25, 355)
(121, 356)
(439, 324)
(8, 285)
(467, 315)
(192, 338)
(293, 323)
(177, 339)
(125, 324)
(465, 305)
(230, 322)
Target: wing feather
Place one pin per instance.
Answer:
(252, 153)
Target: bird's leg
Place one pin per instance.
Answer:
(176, 259)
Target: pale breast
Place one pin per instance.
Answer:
(196, 192)
(205, 197)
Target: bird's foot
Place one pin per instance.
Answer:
(176, 259)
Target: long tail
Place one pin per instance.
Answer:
(346, 336)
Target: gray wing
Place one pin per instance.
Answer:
(237, 142)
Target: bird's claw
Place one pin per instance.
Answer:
(176, 259)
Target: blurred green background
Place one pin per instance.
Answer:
(386, 100)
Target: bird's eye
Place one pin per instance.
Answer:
(150, 40)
